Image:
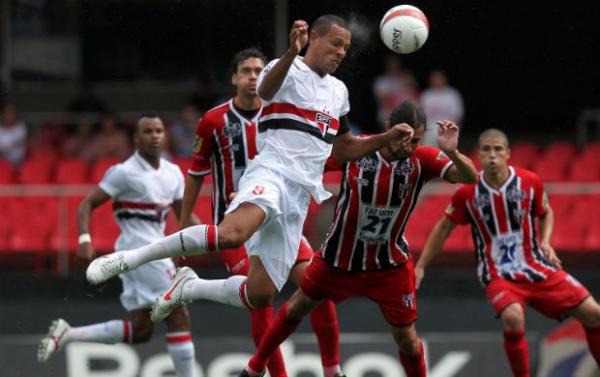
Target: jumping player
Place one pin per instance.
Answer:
(225, 142)
(142, 188)
(513, 267)
(303, 121)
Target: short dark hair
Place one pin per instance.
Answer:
(408, 112)
(247, 53)
(494, 132)
(146, 114)
(322, 24)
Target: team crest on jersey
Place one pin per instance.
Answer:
(408, 300)
(368, 164)
(197, 144)
(324, 122)
(441, 156)
(232, 129)
(519, 215)
(481, 200)
(404, 190)
(516, 195)
(406, 168)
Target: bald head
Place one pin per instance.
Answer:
(493, 133)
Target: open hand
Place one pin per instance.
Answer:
(447, 136)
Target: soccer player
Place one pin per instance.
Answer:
(142, 188)
(225, 142)
(514, 267)
(303, 121)
(365, 253)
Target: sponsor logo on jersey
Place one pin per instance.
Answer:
(368, 164)
(481, 200)
(232, 129)
(515, 195)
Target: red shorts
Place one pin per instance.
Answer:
(553, 297)
(238, 263)
(392, 289)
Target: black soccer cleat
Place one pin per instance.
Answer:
(244, 373)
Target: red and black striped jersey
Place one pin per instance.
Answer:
(372, 210)
(225, 142)
(503, 226)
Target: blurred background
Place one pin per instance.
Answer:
(74, 75)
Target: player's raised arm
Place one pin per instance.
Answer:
(347, 147)
(85, 251)
(440, 233)
(463, 170)
(273, 79)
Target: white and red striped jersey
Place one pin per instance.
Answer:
(298, 125)
(503, 226)
(373, 208)
(142, 196)
(225, 142)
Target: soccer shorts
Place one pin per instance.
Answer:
(285, 204)
(392, 289)
(553, 297)
(237, 261)
(142, 286)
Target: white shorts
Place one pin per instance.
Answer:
(285, 204)
(142, 286)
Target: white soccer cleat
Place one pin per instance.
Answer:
(54, 340)
(172, 299)
(105, 267)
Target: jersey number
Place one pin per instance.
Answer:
(374, 222)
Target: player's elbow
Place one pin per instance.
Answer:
(265, 94)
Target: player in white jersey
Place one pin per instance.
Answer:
(142, 189)
(303, 122)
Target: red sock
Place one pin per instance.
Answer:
(593, 339)
(278, 331)
(414, 365)
(325, 325)
(261, 319)
(515, 346)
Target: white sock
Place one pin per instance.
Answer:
(116, 331)
(181, 349)
(225, 291)
(196, 239)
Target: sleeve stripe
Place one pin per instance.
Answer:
(199, 173)
(445, 169)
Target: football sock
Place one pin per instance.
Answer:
(115, 331)
(515, 346)
(414, 365)
(325, 326)
(261, 319)
(181, 349)
(226, 291)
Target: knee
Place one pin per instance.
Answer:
(232, 236)
(261, 299)
(142, 332)
(513, 318)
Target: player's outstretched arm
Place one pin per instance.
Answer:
(347, 147)
(440, 233)
(463, 170)
(85, 251)
(273, 79)
(186, 217)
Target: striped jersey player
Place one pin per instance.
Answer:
(516, 265)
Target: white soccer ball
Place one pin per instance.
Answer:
(404, 29)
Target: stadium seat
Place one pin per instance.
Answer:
(6, 172)
(559, 151)
(100, 167)
(523, 154)
(592, 150)
(71, 171)
(35, 171)
(550, 170)
(584, 170)
(104, 229)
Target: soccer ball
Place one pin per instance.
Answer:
(404, 29)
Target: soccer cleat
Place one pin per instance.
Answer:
(105, 267)
(339, 375)
(54, 340)
(171, 299)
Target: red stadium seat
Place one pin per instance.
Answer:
(585, 169)
(550, 170)
(523, 154)
(6, 172)
(100, 167)
(35, 171)
(560, 150)
(104, 229)
(592, 150)
(71, 171)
